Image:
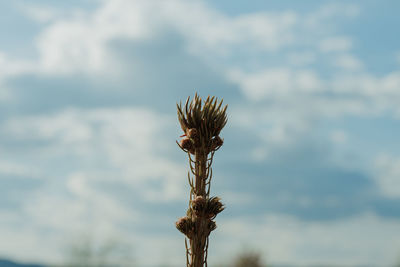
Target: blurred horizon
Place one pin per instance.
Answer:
(309, 171)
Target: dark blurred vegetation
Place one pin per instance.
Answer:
(111, 253)
(8, 263)
(114, 253)
(245, 258)
(249, 259)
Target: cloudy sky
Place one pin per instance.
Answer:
(310, 167)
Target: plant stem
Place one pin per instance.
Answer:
(197, 244)
(201, 125)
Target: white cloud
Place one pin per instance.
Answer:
(80, 41)
(276, 83)
(18, 169)
(19, 244)
(123, 147)
(287, 103)
(41, 14)
(301, 58)
(360, 240)
(10, 68)
(126, 137)
(339, 137)
(374, 90)
(347, 62)
(387, 175)
(328, 12)
(304, 93)
(335, 44)
(209, 31)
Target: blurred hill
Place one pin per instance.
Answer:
(8, 263)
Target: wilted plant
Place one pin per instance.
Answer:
(201, 122)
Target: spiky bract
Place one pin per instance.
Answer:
(202, 121)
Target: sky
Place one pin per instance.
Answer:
(309, 171)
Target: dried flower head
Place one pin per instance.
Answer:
(206, 118)
(213, 207)
(185, 226)
(198, 205)
(186, 143)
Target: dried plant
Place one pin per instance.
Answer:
(201, 122)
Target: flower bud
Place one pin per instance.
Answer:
(198, 205)
(186, 143)
(191, 133)
(213, 207)
(185, 226)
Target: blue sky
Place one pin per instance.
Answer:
(310, 167)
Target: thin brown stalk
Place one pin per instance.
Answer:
(201, 122)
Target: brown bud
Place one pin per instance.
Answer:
(191, 133)
(181, 223)
(213, 207)
(185, 226)
(198, 205)
(186, 143)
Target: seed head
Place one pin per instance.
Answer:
(198, 205)
(185, 226)
(207, 118)
(213, 207)
(186, 143)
